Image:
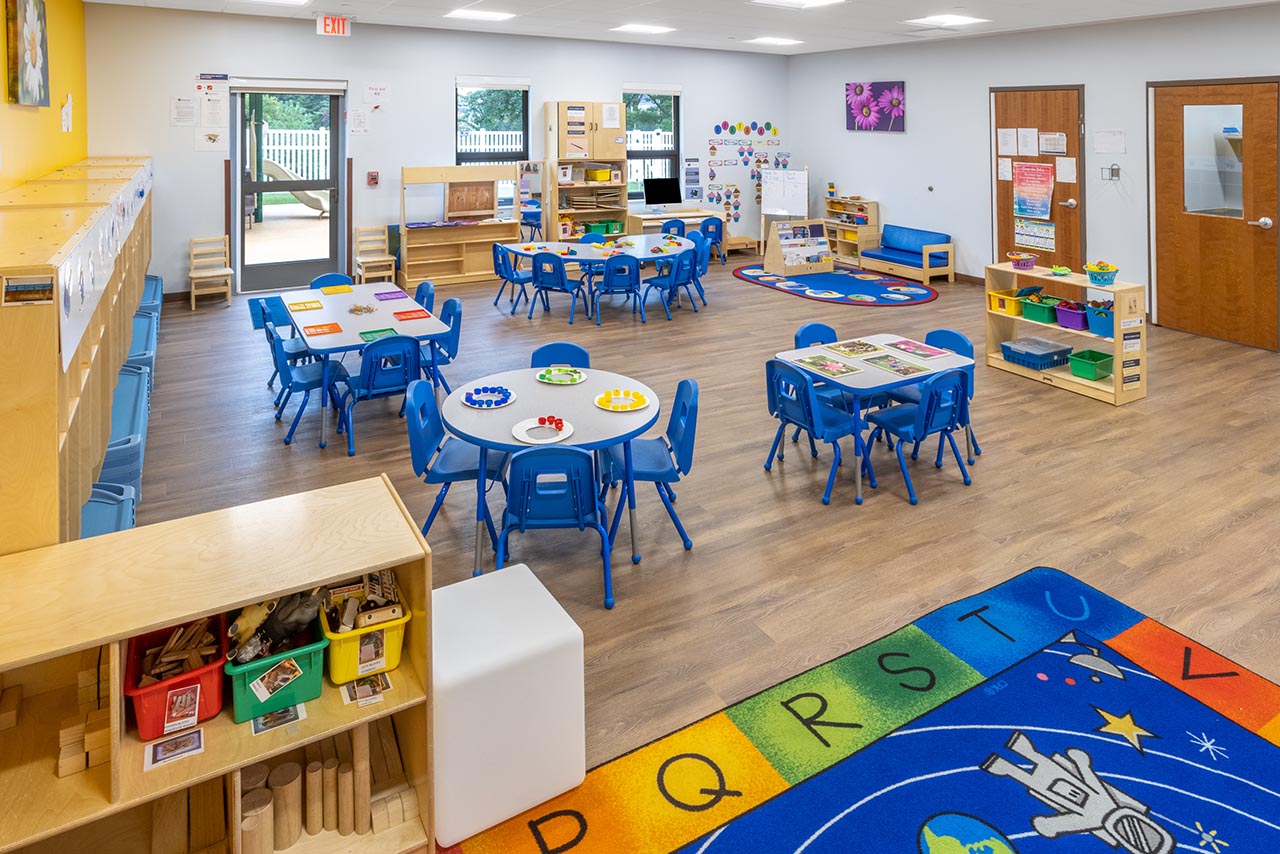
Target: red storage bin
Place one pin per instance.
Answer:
(149, 702)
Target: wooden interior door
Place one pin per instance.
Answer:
(1046, 111)
(609, 143)
(1215, 270)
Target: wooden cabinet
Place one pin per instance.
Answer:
(96, 594)
(590, 130)
(854, 226)
(584, 137)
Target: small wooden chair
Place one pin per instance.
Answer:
(210, 268)
(374, 262)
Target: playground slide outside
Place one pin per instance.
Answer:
(315, 200)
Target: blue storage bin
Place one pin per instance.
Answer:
(123, 463)
(152, 294)
(1102, 321)
(146, 332)
(1038, 354)
(131, 403)
(111, 507)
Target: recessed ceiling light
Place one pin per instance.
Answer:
(480, 15)
(643, 29)
(280, 2)
(773, 40)
(797, 4)
(947, 21)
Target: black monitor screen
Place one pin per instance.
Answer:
(661, 191)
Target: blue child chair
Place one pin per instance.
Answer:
(329, 280)
(508, 275)
(271, 309)
(591, 269)
(425, 295)
(443, 350)
(713, 228)
(304, 378)
(662, 461)
(702, 256)
(621, 276)
(673, 226)
(553, 487)
(387, 367)
(560, 353)
(532, 218)
(549, 277)
(944, 400)
(956, 342)
(679, 275)
(441, 459)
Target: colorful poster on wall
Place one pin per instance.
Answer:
(876, 106)
(1032, 190)
(1033, 234)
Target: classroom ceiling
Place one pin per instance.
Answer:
(722, 24)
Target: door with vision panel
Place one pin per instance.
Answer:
(1214, 164)
(1060, 113)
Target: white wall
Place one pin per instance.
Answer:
(140, 57)
(947, 142)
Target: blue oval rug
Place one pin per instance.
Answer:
(845, 286)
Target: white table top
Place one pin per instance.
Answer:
(872, 379)
(593, 427)
(639, 245)
(334, 310)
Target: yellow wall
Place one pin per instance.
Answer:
(31, 139)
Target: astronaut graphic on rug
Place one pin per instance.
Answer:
(1083, 803)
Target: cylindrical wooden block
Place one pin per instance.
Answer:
(286, 788)
(329, 776)
(315, 798)
(360, 747)
(257, 806)
(346, 800)
(253, 777)
(363, 784)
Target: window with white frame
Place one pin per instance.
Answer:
(653, 137)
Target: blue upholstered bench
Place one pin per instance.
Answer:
(912, 253)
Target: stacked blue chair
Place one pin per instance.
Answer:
(677, 277)
(387, 367)
(549, 277)
(130, 412)
(553, 487)
(111, 507)
(329, 280)
(943, 409)
(713, 229)
(152, 294)
(956, 342)
(621, 276)
(146, 336)
(506, 272)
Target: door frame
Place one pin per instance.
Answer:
(1153, 293)
(1080, 162)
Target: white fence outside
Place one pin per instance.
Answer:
(303, 152)
(513, 140)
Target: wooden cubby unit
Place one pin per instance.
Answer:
(848, 238)
(110, 588)
(452, 254)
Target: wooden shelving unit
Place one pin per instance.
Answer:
(1128, 381)
(452, 254)
(114, 587)
(54, 231)
(578, 139)
(847, 237)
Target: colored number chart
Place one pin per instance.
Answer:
(1038, 717)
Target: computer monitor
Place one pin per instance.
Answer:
(661, 192)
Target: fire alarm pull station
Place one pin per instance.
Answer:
(372, 179)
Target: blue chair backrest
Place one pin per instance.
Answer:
(713, 228)
(501, 262)
(686, 264)
(451, 316)
(790, 393)
(696, 237)
(328, 280)
(673, 226)
(910, 239)
(621, 274)
(592, 237)
(943, 401)
(263, 309)
(278, 355)
(949, 339)
(702, 250)
(815, 333)
(533, 216)
(560, 353)
(552, 487)
(425, 296)
(682, 427)
(388, 365)
(426, 430)
(548, 271)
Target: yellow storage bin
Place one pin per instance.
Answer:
(363, 652)
(597, 174)
(1006, 302)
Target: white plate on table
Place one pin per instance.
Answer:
(531, 432)
(561, 376)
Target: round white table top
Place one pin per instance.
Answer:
(642, 246)
(593, 427)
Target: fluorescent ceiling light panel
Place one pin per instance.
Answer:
(797, 4)
(643, 29)
(480, 15)
(773, 40)
(280, 2)
(947, 21)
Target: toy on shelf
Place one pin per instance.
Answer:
(1059, 270)
(1022, 260)
(278, 630)
(1101, 273)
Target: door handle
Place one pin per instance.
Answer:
(1263, 223)
(1069, 203)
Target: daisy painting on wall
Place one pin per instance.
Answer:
(28, 52)
(876, 106)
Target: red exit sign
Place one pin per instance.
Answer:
(332, 25)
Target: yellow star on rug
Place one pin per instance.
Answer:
(1125, 727)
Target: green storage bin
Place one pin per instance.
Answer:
(612, 226)
(306, 686)
(1045, 311)
(1091, 364)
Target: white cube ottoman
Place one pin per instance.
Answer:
(510, 728)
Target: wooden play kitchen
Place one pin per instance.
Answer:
(1100, 353)
(351, 774)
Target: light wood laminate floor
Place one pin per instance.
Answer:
(1170, 504)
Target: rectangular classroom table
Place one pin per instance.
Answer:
(316, 322)
(872, 380)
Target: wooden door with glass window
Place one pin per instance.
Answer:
(1054, 119)
(1214, 270)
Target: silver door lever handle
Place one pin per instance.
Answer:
(1263, 222)
(1069, 203)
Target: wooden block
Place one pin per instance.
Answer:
(285, 782)
(256, 805)
(346, 800)
(97, 736)
(169, 823)
(89, 658)
(343, 742)
(207, 814)
(395, 810)
(314, 798)
(362, 786)
(329, 782)
(313, 752)
(360, 747)
(97, 718)
(409, 803)
(390, 747)
(87, 694)
(255, 836)
(100, 756)
(393, 786)
(71, 760)
(258, 802)
(219, 847)
(378, 816)
(88, 677)
(377, 761)
(254, 776)
(328, 750)
(71, 732)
